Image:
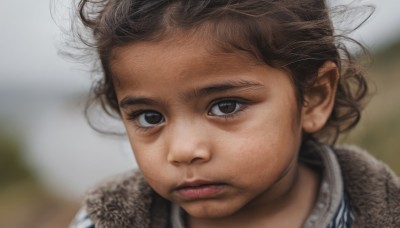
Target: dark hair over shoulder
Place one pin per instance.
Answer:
(296, 36)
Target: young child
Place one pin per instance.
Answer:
(232, 108)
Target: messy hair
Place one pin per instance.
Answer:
(295, 36)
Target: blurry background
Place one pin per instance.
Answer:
(49, 155)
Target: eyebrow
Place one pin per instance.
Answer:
(201, 92)
(129, 101)
(221, 87)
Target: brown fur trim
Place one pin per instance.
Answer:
(374, 189)
(126, 201)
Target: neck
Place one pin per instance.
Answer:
(293, 197)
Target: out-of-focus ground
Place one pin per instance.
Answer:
(25, 202)
(379, 129)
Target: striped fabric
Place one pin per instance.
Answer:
(82, 220)
(343, 218)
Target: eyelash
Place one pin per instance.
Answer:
(133, 116)
(243, 105)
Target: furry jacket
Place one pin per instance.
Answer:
(373, 189)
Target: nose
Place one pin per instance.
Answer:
(188, 144)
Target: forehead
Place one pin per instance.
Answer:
(176, 57)
(175, 72)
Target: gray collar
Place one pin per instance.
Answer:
(331, 186)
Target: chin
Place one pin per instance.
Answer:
(200, 210)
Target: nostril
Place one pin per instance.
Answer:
(196, 160)
(175, 163)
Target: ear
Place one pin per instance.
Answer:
(320, 98)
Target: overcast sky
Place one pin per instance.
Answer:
(28, 56)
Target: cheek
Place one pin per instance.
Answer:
(149, 157)
(265, 146)
(152, 162)
(154, 171)
(258, 155)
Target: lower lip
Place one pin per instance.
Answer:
(201, 192)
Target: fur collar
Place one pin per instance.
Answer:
(128, 201)
(373, 188)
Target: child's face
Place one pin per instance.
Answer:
(214, 133)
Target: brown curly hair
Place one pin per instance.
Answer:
(296, 36)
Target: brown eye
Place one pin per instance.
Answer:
(225, 108)
(150, 119)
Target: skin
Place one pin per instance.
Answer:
(191, 114)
